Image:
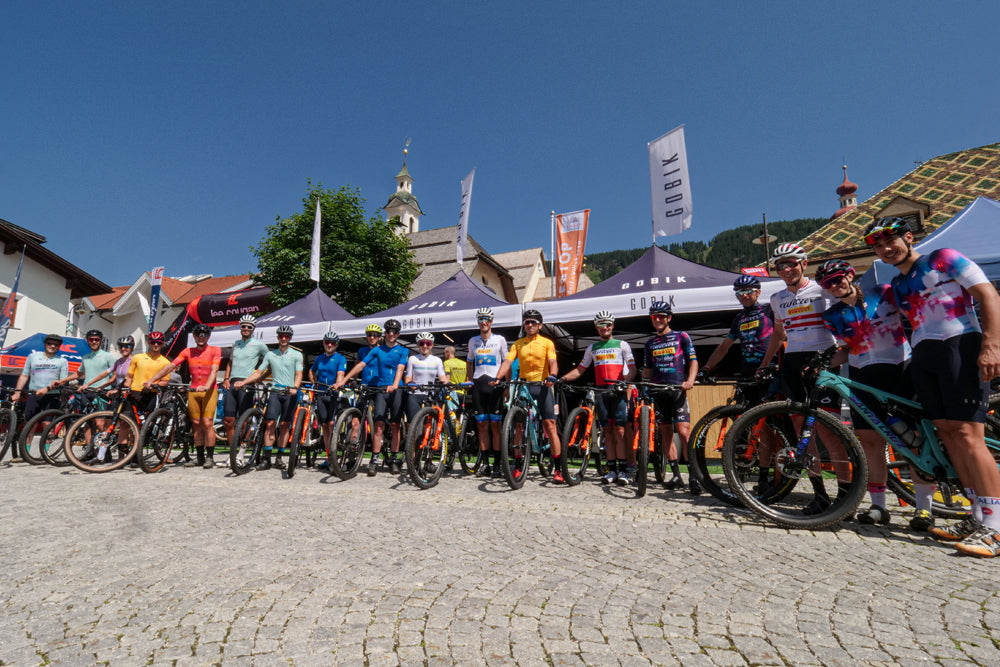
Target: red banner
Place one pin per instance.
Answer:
(571, 239)
(755, 271)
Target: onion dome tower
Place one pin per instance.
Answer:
(848, 198)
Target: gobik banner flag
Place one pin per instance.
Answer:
(314, 256)
(669, 184)
(463, 217)
(571, 239)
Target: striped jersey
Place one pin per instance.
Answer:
(801, 313)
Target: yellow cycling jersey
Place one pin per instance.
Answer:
(532, 356)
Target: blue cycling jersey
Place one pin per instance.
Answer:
(388, 360)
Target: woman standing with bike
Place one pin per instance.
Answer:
(869, 328)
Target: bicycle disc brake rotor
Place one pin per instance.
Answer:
(791, 464)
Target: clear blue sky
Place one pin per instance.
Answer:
(173, 133)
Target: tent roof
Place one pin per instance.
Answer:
(972, 232)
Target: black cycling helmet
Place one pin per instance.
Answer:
(94, 333)
(392, 325)
(660, 308)
(745, 283)
(532, 314)
(201, 329)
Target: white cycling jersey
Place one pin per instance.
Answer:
(801, 314)
(487, 355)
(424, 369)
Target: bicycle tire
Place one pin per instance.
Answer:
(346, 452)
(156, 439)
(8, 429)
(949, 499)
(659, 456)
(295, 444)
(842, 450)
(470, 456)
(28, 446)
(578, 442)
(642, 451)
(426, 448)
(708, 470)
(118, 442)
(53, 439)
(515, 457)
(247, 442)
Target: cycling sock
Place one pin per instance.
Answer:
(877, 493)
(210, 451)
(990, 509)
(675, 468)
(496, 457)
(977, 512)
(201, 454)
(924, 493)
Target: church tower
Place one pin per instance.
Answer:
(848, 198)
(403, 205)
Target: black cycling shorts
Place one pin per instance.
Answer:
(671, 407)
(326, 406)
(893, 378)
(237, 401)
(795, 389)
(946, 378)
(281, 406)
(388, 406)
(487, 399)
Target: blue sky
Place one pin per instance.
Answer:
(138, 134)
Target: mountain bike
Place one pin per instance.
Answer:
(352, 431)
(582, 434)
(165, 428)
(432, 436)
(8, 420)
(303, 427)
(53, 437)
(646, 436)
(246, 448)
(115, 444)
(523, 439)
(30, 440)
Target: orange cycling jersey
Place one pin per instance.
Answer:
(200, 362)
(533, 355)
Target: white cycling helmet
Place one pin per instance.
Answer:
(248, 320)
(425, 335)
(484, 313)
(604, 317)
(791, 251)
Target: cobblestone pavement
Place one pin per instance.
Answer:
(198, 567)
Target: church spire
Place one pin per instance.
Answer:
(848, 198)
(403, 205)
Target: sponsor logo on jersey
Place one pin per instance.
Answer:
(799, 310)
(746, 326)
(606, 356)
(663, 351)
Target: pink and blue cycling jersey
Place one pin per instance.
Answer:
(935, 298)
(873, 333)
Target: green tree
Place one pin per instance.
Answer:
(364, 265)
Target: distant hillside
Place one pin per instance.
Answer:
(729, 250)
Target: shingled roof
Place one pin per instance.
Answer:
(947, 184)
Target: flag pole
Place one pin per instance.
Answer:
(552, 255)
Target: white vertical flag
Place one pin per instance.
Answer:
(463, 216)
(314, 260)
(669, 184)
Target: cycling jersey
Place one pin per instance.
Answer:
(668, 356)
(873, 333)
(456, 370)
(43, 371)
(611, 360)
(752, 329)
(120, 369)
(533, 355)
(424, 369)
(143, 367)
(200, 362)
(934, 295)
(284, 365)
(801, 314)
(247, 355)
(96, 362)
(369, 374)
(487, 355)
(325, 367)
(388, 360)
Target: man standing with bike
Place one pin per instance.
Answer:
(327, 369)
(203, 362)
(487, 352)
(612, 361)
(285, 367)
(247, 355)
(669, 358)
(536, 355)
(43, 369)
(954, 358)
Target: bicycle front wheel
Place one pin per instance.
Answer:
(832, 473)
(426, 448)
(469, 455)
(247, 442)
(30, 442)
(949, 498)
(515, 448)
(578, 438)
(347, 446)
(705, 457)
(8, 429)
(642, 450)
(113, 446)
(53, 438)
(156, 439)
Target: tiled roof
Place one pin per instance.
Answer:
(106, 301)
(434, 252)
(181, 292)
(947, 184)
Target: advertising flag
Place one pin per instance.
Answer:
(154, 295)
(314, 259)
(669, 184)
(571, 239)
(463, 216)
(7, 313)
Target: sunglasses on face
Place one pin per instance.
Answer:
(372, 336)
(93, 340)
(155, 344)
(659, 317)
(284, 336)
(329, 342)
(604, 325)
(878, 236)
(484, 320)
(745, 292)
(425, 343)
(201, 335)
(784, 266)
(530, 323)
(246, 328)
(832, 281)
(125, 347)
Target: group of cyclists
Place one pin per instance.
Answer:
(946, 362)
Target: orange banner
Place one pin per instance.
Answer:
(571, 239)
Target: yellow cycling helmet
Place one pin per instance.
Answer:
(373, 329)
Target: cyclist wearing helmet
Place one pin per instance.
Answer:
(94, 363)
(203, 362)
(284, 365)
(954, 358)
(247, 355)
(612, 361)
(327, 369)
(144, 366)
(669, 358)
(42, 371)
(389, 361)
(869, 329)
(536, 358)
(486, 354)
(752, 330)
(422, 368)
(119, 368)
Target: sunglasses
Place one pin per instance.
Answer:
(125, 347)
(93, 340)
(372, 335)
(201, 335)
(604, 325)
(530, 323)
(481, 320)
(883, 235)
(151, 344)
(246, 327)
(284, 336)
(745, 292)
(329, 342)
(783, 266)
(832, 281)
(659, 316)
(425, 343)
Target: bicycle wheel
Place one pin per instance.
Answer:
(833, 468)
(299, 433)
(247, 442)
(470, 457)
(114, 446)
(426, 448)
(515, 448)
(156, 439)
(346, 449)
(705, 458)
(8, 429)
(659, 456)
(53, 439)
(578, 439)
(642, 450)
(29, 442)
